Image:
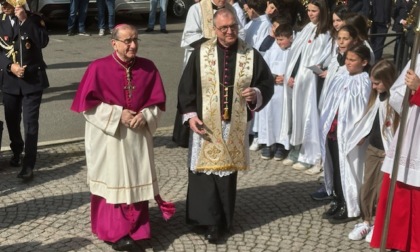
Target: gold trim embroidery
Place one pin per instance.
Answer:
(215, 153)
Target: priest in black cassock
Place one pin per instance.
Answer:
(223, 81)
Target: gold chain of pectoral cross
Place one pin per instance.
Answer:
(129, 87)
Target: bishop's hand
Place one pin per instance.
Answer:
(126, 116)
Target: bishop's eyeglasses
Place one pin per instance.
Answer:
(129, 41)
(225, 28)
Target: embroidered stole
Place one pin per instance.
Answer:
(207, 13)
(216, 154)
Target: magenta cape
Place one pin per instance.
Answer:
(104, 81)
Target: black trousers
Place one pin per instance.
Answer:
(377, 43)
(211, 199)
(338, 188)
(29, 104)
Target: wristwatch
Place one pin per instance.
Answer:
(9, 68)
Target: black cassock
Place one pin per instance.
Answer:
(211, 198)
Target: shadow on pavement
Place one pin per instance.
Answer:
(53, 169)
(255, 207)
(16, 214)
(62, 245)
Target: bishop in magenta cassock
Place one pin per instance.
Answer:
(121, 97)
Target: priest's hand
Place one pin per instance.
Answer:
(137, 121)
(279, 79)
(412, 80)
(197, 125)
(291, 82)
(250, 95)
(126, 116)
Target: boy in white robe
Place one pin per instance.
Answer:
(269, 119)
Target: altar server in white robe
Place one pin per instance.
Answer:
(378, 125)
(199, 25)
(342, 157)
(269, 118)
(404, 225)
(347, 36)
(259, 25)
(300, 130)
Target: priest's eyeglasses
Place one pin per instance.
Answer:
(225, 28)
(129, 41)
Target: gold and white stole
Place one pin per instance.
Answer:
(216, 154)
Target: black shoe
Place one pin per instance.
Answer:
(321, 194)
(212, 234)
(266, 152)
(149, 30)
(280, 153)
(124, 244)
(340, 216)
(164, 31)
(16, 160)
(70, 33)
(26, 174)
(334, 208)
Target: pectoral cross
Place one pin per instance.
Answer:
(129, 87)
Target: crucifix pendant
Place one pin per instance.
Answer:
(130, 89)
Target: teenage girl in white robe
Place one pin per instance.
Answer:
(378, 125)
(345, 104)
(300, 130)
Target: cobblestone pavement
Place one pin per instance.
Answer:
(273, 209)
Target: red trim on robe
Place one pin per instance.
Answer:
(415, 98)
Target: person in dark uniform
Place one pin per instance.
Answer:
(23, 79)
(380, 14)
(400, 14)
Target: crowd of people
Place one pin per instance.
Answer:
(329, 115)
(299, 83)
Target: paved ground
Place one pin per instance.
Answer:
(273, 209)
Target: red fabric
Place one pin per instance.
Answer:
(104, 81)
(167, 208)
(404, 225)
(111, 222)
(415, 98)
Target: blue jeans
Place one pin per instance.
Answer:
(152, 15)
(110, 6)
(78, 11)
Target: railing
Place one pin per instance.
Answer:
(403, 50)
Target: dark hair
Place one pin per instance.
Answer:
(341, 11)
(352, 32)
(363, 52)
(359, 22)
(324, 23)
(258, 6)
(284, 30)
(281, 19)
(295, 11)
